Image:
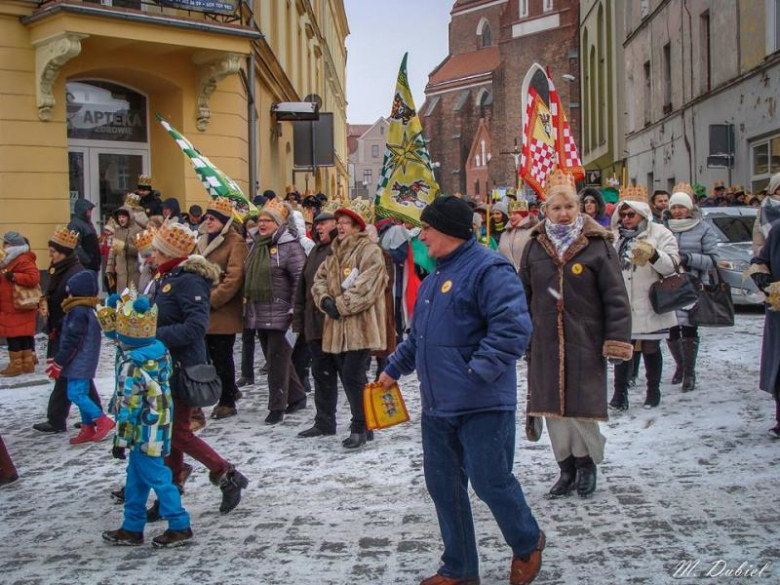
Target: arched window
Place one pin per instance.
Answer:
(484, 101)
(484, 33)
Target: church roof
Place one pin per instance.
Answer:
(464, 67)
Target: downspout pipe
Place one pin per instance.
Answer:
(254, 180)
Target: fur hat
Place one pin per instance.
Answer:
(175, 240)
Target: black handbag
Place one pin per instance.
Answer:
(674, 292)
(715, 307)
(198, 385)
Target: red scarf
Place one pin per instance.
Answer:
(166, 267)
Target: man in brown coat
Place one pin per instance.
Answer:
(224, 246)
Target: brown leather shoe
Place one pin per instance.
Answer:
(198, 420)
(525, 571)
(442, 580)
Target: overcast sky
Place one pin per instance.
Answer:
(381, 31)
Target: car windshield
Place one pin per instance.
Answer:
(734, 228)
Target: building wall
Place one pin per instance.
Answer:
(363, 159)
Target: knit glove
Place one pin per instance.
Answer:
(118, 453)
(53, 370)
(330, 309)
(642, 253)
(762, 280)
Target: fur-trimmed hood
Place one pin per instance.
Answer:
(197, 264)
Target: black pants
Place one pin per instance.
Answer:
(681, 331)
(352, 367)
(220, 348)
(248, 352)
(59, 405)
(325, 371)
(284, 387)
(651, 355)
(16, 344)
(301, 360)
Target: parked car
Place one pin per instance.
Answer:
(734, 228)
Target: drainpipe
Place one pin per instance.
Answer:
(252, 117)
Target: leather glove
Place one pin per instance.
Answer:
(118, 453)
(762, 280)
(685, 259)
(9, 276)
(330, 309)
(53, 370)
(642, 253)
(615, 361)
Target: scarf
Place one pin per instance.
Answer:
(258, 286)
(12, 253)
(627, 238)
(166, 267)
(683, 225)
(562, 235)
(72, 302)
(56, 271)
(770, 213)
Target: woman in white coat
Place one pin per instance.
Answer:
(648, 253)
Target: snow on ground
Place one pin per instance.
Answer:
(694, 480)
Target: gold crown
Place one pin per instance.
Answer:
(144, 240)
(331, 206)
(684, 188)
(145, 180)
(308, 214)
(633, 193)
(133, 324)
(362, 207)
(221, 205)
(65, 237)
(559, 181)
(278, 207)
(106, 317)
(175, 240)
(133, 201)
(518, 206)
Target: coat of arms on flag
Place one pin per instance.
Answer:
(216, 183)
(406, 182)
(547, 140)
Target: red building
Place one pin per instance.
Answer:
(473, 107)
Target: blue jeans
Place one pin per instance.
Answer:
(78, 394)
(146, 473)
(480, 448)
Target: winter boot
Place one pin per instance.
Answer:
(14, 367)
(636, 361)
(274, 417)
(525, 569)
(103, 426)
(173, 538)
(355, 441)
(244, 381)
(442, 580)
(566, 481)
(47, 427)
(223, 411)
(675, 348)
(28, 364)
(231, 483)
(118, 496)
(620, 396)
(124, 537)
(198, 420)
(586, 476)
(653, 370)
(296, 406)
(690, 349)
(86, 434)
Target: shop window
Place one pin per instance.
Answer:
(765, 161)
(101, 110)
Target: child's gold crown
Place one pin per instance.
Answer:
(136, 319)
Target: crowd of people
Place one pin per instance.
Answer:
(327, 289)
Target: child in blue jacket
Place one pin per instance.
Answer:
(143, 406)
(78, 355)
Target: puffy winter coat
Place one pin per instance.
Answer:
(307, 318)
(469, 328)
(59, 274)
(123, 258)
(79, 342)
(514, 240)
(639, 279)
(183, 299)
(20, 262)
(362, 305)
(228, 251)
(574, 336)
(143, 406)
(88, 249)
(287, 258)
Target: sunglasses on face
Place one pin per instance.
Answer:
(628, 215)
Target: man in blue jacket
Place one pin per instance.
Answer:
(470, 326)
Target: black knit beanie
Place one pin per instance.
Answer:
(449, 215)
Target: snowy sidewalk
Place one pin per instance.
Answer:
(693, 480)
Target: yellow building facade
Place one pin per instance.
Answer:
(81, 82)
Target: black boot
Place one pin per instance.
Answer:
(690, 351)
(355, 441)
(567, 480)
(586, 476)
(622, 374)
(675, 348)
(274, 417)
(119, 495)
(653, 369)
(231, 484)
(124, 537)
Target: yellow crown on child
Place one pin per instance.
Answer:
(133, 201)
(221, 205)
(145, 180)
(144, 240)
(65, 237)
(278, 207)
(136, 319)
(636, 193)
(558, 182)
(106, 317)
(684, 188)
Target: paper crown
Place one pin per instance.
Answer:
(278, 207)
(331, 206)
(558, 182)
(518, 206)
(106, 317)
(145, 180)
(362, 207)
(221, 205)
(175, 240)
(683, 188)
(133, 201)
(308, 214)
(144, 240)
(136, 320)
(719, 185)
(65, 237)
(633, 193)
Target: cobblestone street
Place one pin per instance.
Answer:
(690, 481)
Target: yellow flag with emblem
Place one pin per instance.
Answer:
(406, 183)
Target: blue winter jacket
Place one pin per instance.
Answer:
(79, 349)
(470, 326)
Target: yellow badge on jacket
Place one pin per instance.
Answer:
(166, 288)
(346, 271)
(273, 250)
(445, 288)
(576, 269)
